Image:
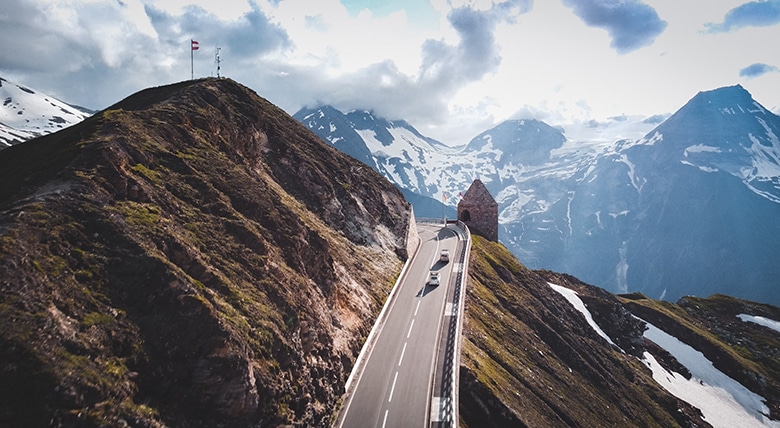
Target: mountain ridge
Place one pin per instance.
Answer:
(188, 256)
(530, 358)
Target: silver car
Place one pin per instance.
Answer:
(433, 280)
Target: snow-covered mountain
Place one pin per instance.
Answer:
(691, 208)
(396, 150)
(26, 114)
(700, 208)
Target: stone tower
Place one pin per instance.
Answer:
(479, 211)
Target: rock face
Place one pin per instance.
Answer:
(191, 256)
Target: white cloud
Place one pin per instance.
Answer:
(452, 77)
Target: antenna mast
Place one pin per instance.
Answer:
(218, 61)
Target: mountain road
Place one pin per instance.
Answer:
(394, 386)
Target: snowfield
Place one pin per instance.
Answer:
(25, 113)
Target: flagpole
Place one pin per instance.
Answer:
(192, 65)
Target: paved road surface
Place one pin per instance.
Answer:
(394, 389)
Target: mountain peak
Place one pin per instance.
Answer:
(526, 141)
(725, 112)
(727, 100)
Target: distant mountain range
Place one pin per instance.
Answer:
(26, 113)
(691, 208)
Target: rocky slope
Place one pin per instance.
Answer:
(531, 359)
(191, 256)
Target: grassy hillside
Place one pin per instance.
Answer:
(530, 359)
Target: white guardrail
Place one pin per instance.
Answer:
(459, 299)
(444, 410)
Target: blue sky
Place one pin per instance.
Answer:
(420, 14)
(452, 68)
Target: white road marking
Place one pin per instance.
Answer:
(402, 355)
(417, 308)
(410, 330)
(436, 405)
(385, 421)
(450, 311)
(392, 388)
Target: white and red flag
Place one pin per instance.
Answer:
(194, 44)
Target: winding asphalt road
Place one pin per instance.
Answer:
(394, 387)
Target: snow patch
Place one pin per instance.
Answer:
(631, 172)
(700, 167)
(622, 213)
(701, 148)
(766, 322)
(579, 305)
(657, 136)
(758, 108)
(723, 401)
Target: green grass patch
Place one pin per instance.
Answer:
(150, 174)
(138, 214)
(96, 318)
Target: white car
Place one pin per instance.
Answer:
(445, 256)
(433, 280)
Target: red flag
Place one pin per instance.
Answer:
(194, 45)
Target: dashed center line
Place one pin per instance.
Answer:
(402, 355)
(385, 421)
(417, 308)
(389, 399)
(410, 329)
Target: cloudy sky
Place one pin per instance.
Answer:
(452, 68)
